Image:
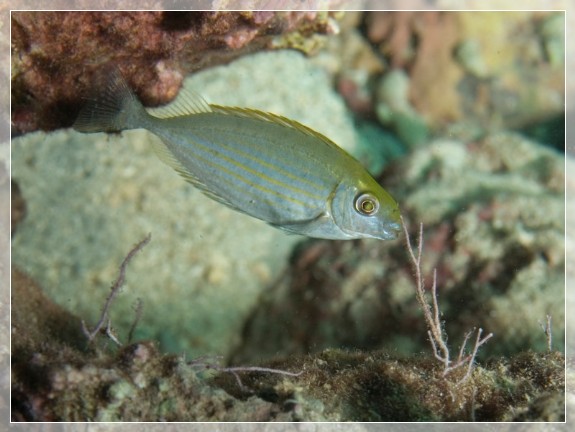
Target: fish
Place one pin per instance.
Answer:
(259, 163)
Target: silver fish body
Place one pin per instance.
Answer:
(261, 164)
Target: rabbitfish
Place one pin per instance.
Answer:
(262, 164)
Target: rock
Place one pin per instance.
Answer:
(492, 212)
(57, 54)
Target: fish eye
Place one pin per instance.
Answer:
(366, 204)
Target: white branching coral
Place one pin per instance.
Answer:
(431, 315)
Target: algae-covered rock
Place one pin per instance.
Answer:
(18, 206)
(57, 377)
(492, 212)
(57, 54)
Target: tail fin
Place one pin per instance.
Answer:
(113, 109)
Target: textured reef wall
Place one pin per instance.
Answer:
(55, 54)
(496, 238)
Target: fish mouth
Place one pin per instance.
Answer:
(390, 231)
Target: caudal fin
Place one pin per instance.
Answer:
(113, 108)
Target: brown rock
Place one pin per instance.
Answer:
(56, 54)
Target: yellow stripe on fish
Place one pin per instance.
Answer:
(261, 164)
(265, 179)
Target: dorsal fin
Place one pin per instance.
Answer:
(273, 118)
(189, 102)
(186, 103)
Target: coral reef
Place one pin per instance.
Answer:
(56, 54)
(56, 377)
(355, 294)
(215, 283)
(395, 110)
(493, 217)
(508, 77)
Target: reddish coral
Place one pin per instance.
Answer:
(434, 63)
(56, 54)
(523, 86)
(392, 31)
(423, 43)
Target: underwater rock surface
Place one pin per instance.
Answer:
(90, 197)
(154, 50)
(57, 377)
(493, 221)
